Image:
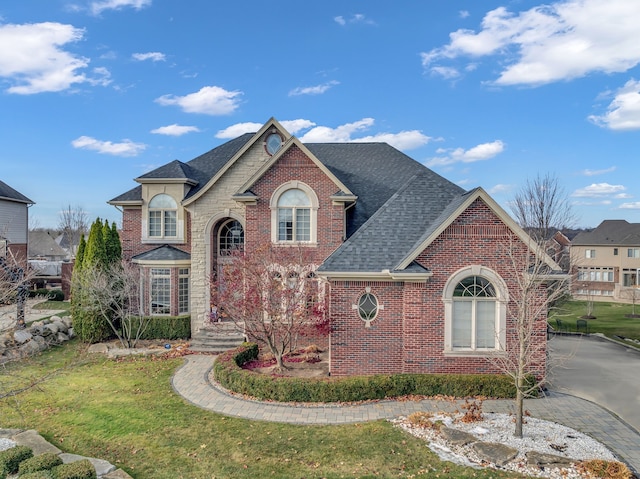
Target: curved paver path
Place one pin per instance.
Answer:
(192, 382)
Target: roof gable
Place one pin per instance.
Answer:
(8, 193)
(290, 143)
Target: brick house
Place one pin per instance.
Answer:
(416, 280)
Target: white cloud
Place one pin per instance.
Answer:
(445, 72)
(340, 134)
(125, 148)
(295, 126)
(559, 41)
(597, 190)
(484, 151)
(623, 113)
(97, 7)
(355, 18)
(238, 129)
(404, 140)
(463, 13)
(175, 130)
(623, 196)
(313, 90)
(210, 100)
(32, 59)
(153, 56)
(500, 188)
(598, 172)
(102, 77)
(630, 206)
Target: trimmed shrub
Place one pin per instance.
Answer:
(82, 469)
(11, 458)
(44, 474)
(55, 295)
(227, 371)
(47, 460)
(91, 328)
(40, 292)
(164, 327)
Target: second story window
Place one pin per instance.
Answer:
(294, 216)
(163, 211)
(590, 253)
(633, 253)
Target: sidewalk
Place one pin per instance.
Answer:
(8, 314)
(191, 381)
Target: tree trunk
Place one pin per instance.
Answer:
(519, 409)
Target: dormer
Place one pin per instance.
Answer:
(163, 218)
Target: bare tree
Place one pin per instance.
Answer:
(112, 294)
(542, 206)
(537, 284)
(14, 289)
(273, 294)
(73, 223)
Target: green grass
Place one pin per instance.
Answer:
(127, 413)
(54, 305)
(610, 318)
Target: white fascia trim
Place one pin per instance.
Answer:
(156, 181)
(384, 275)
(125, 203)
(162, 263)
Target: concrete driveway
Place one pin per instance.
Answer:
(598, 370)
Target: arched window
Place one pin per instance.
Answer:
(163, 211)
(294, 216)
(474, 314)
(475, 311)
(231, 238)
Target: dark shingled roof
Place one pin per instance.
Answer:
(400, 201)
(610, 232)
(8, 193)
(398, 226)
(163, 253)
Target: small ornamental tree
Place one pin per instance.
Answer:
(273, 294)
(101, 254)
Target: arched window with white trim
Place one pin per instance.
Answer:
(294, 208)
(163, 212)
(475, 300)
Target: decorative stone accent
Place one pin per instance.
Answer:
(494, 453)
(457, 437)
(36, 442)
(39, 336)
(540, 459)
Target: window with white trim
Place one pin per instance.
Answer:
(595, 274)
(633, 253)
(590, 253)
(160, 279)
(294, 208)
(163, 214)
(475, 311)
(183, 290)
(231, 238)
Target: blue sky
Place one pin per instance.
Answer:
(94, 93)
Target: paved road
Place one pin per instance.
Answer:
(600, 371)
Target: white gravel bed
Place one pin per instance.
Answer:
(538, 435)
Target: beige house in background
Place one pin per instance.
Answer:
(605, 262)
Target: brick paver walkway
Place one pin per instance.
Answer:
(191, 381)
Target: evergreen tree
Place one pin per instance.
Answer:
(112, 243)
(96, 252)
(77, 266)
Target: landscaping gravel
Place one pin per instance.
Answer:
(538, 435)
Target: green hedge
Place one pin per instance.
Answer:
(165, 327)
(50, 294)
(228, 372)
(82, 469)
(11, 458)
(44, 461)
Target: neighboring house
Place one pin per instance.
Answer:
(416, 278)
(14, 223)
(43, 245)
(606, 261)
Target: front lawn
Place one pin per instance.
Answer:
(127, 413)
(610, 318)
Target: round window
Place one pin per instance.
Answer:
(273, 143)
